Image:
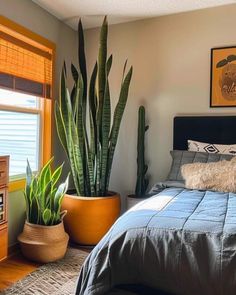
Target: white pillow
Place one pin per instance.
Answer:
(197, 146)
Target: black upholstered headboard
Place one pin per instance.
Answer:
(212, 129)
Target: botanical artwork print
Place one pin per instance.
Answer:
(223, 77)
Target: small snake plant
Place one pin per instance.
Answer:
(43, 195)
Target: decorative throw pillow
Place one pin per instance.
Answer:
(197, 146)
(219, 176)
(179, 158)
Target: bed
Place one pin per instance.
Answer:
(178, 241)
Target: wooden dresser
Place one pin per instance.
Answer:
(4, 176)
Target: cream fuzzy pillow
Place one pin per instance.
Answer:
(218, 176)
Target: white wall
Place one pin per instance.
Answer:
(171, 59)
(30, 15)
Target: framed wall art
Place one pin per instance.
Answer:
(223, 77)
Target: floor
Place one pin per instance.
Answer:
(15, 268)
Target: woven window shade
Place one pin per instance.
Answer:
(25, 66)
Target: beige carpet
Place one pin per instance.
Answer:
(57, 278)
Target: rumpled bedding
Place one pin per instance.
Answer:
(179, 241)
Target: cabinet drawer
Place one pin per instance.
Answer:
(3, 172)
(3, 243)
(3, 206)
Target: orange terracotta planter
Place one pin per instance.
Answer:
(89, 218)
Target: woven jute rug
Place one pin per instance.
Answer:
(57, 278)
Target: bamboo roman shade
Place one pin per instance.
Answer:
(25, 65)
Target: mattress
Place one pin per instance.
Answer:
(179, 241)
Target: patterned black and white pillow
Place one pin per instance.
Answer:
(197, 146)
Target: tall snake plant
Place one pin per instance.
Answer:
(90, 142)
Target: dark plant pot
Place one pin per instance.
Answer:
(133, 200)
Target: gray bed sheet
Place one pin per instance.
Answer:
(179, 241)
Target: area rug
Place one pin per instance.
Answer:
(57, 278)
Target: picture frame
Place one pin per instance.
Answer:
(223, 77)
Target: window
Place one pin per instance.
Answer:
(26, 62)
(20, 132)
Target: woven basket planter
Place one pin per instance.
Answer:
(43, 243)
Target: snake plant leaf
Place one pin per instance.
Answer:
(64, 190)
(72, 94)
(79, 138)
(109, 64)
(98, 169)
(92, 91)
(102, 76)
(27, 207)
(91, 187)
(106, 125)
(62, 96)
(33, 188)
(46, 191)
(61, 130)
(61, 112)
(82, 65)
(118, 114)
(74, 151)
(105, 130)
(47, 216)
(83, 141)
(56, 175)
(45, 173)
(29, 175)
(93, 111)
(124, 70)
(47, 176)
(64, 68)
(221, 63)
(59, 194)
(53, 219)
(75, 73)
(34, 211)
(45, 195)
(75, 102)
(63, 121)
(52, 196)
(75, 92)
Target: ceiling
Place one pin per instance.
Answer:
(119, 11)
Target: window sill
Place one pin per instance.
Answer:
(16, 185)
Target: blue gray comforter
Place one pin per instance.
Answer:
(180, 241)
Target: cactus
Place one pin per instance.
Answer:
(90, 158)
(142, 180)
